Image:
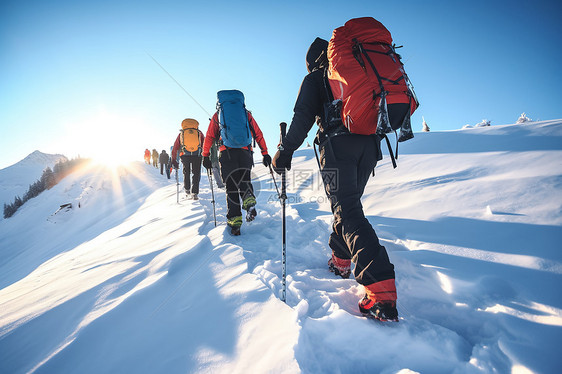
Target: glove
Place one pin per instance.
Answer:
(282, 161)
(175, 164)
(266, 160)
(207, 163)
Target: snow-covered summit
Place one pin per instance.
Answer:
(38, 158)
(131, 281)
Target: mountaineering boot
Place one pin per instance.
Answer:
(252, 213)
(249, 205)
(234, 223)
(380, 311)
(340, 266)
(194, 196)
(379, 301)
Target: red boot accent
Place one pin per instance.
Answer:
(340, 266)
(379, 301)
(383, 291)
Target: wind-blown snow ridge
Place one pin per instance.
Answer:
(133, 282)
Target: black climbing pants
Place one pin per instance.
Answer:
(346, 163)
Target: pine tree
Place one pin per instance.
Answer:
(523, 118)
(8, 210)
(27, 194)
(425, 127)
(48, 178)
(18, 202)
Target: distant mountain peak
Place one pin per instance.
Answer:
(38, 157)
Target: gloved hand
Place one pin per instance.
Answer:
(207, 163)
(175, 164)
(282, 161)
(266, 160)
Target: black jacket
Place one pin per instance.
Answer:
(315, 93)
(309, 106)
(164, 158)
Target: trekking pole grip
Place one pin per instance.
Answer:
(283, 127)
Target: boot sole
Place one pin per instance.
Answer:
(369, 315)
(334, 270)
(251, 214)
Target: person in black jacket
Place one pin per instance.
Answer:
(346, 162)
(164, 159)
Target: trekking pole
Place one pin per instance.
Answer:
(177, 188)
(274, 181)
(212, 195)
(283, 198)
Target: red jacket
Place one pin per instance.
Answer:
(177, 145)
(213, 133)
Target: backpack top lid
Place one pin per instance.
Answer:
(189, 123)
(229, 96)
(364, 29)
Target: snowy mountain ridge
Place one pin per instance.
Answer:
(131, 281)
(39, 158)
(15, 179)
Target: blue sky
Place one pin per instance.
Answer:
(76, 77)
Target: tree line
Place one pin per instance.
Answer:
(49, 178)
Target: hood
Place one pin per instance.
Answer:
(316, 57)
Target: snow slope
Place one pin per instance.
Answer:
(134, 282)
(15, 179)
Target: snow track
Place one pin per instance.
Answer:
(134, 282)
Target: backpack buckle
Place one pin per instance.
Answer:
(357, 50)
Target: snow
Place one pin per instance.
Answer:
(15, 179)
(131, 281)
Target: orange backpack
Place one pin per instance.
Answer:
(189, 136)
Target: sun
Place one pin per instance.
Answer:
(112, 140)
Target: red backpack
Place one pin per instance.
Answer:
(366, 74)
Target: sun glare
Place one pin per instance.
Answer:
(111, 140)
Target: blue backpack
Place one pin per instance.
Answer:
(233, 119)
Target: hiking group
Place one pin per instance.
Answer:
(225, 151)
(357, 91)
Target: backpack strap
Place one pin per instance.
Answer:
(325, 136)
(251, 127)
(406, 127)
(358, 52)
(383, 123)
(329, 92)
(392, 157)
(217, 121)
(327, 129)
